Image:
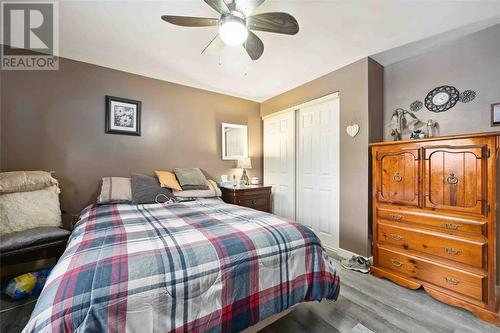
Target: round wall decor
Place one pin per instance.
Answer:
(416, 105)
(467, 96)
(442, 98)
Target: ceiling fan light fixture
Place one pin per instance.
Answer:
(233, 30)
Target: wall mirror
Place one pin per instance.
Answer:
(234, 141)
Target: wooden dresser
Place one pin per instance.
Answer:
(253, 196)
(435, 216)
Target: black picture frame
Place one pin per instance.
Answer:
(494, 120)
(111, 128)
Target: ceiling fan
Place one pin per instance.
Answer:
(236, 24)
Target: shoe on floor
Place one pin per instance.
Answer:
(357, 263)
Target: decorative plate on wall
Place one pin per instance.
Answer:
(416, 105)
(442, 98)
(467, 96)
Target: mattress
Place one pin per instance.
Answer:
(198, 266)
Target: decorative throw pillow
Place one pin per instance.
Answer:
(213, 191)
(115, 189)
(168, 180)
(147, 190)
(21, 211)
(22, 181)
(191, 178)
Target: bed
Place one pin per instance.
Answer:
(197, 266)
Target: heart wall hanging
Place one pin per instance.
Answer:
(352, 130)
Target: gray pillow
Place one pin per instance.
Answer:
(147, 190)
(191, 179)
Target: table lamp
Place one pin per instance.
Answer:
(244, 163)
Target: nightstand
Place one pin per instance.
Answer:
(252, 196)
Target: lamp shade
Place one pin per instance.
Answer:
(244, 163)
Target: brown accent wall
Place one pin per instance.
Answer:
(54, 120)
(360, 86)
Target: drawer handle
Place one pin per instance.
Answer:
(396, 262)
(451, 226)
(396, 237)
(253, 202)
(450, 250)
(397, 177)
(452, 179)
(451, 281)
(396, 217)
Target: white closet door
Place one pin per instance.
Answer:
(318, 166)
(279, 162)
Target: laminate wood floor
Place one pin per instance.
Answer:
(365, 304)
(369, 304)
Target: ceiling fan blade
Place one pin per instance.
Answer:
(254, 46)
(219, 5)
(187, 21)
(281, 23)
(214, 47)
(248, 6)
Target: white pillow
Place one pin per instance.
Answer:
(20, 211)
(213, 191)
(22, 181)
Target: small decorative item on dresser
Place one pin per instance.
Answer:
(255, 181)
(254, 196)
(417, 134)
(431, 127)
(244, 163)
(495, 114)
(402, 119)
(123, 116)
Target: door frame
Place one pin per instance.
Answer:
(296, 109)
(320, 100)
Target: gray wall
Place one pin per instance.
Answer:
(472, 62)
(360, 88)
(54, 120)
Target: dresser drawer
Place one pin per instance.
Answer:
(466, 283)
(253, 203)
(449, 247)
(438, 222)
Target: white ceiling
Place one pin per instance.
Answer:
(130, 36)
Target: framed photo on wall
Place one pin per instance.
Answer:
(495, 114)
(123, 116)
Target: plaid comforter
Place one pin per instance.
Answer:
(199, 266)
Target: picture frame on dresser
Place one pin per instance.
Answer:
(122, 116)
(495, 114)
